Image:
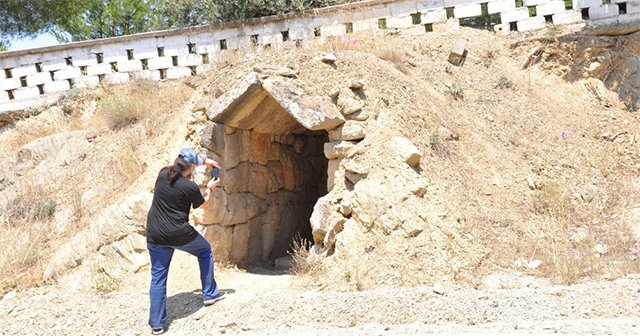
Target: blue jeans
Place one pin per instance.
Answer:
(160, 260)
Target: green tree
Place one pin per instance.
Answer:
(107, 18)
(185, 13)
(27, 18)
(3, 46)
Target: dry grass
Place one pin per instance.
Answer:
(26, 224)
(305, 261)
(135, 113)
(577, 239)
(139, 101)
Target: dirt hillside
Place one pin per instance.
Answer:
(528, 178)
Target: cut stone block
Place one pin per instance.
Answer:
(448, 26)
(189, 60)
(457, 54)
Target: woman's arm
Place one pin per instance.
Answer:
(213, 183)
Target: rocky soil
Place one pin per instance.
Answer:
(268, 302)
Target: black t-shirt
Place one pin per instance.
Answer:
(168, 217)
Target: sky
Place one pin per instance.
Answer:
(39, 41)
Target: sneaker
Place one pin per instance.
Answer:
(157, 331)
(209, 302)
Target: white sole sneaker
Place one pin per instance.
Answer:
(209, 302)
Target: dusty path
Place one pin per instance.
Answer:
(270, 304)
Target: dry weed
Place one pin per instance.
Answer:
(305, 261)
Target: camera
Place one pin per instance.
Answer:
(215, 172)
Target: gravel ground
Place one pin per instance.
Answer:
(268, 304)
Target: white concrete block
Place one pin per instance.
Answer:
(129, 65)
(9, 84)
(532, 23)
(609, 21)
(377, 13)
(364, 25)
(39, 78)
(448, 26)
(498, 6)
(70, 72)
(633, 7)
(86, 82)
(423, 5)
(178, 72)
(238, 42)
(333, 30)
(550, 8)
(604, 11)
(567, 17)
(98, 69)
(117, 78)
(204, 68)
(400, 22)
(2, 76)
(403, 7)
(579, 4)
(433, 16)
(22, 71)
(467, 10)
(514, 15)
(160, 63)
(189, 60)
(629, 18)
(56, 86)
(54, 65)
(329, 20)
(4, 97)
(272, 38)
(529, 3)
(452, 3)
(147, 74)
(26, 93)
(304, 33)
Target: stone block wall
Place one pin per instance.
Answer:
(270, 184)
(27, 77)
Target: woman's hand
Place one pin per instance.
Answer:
(213, 183)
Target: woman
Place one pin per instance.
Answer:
(168, 229)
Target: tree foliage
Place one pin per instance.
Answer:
(74, 20)
(108, 18)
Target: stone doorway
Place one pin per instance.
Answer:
(270, 143)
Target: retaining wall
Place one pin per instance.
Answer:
(35, 76)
